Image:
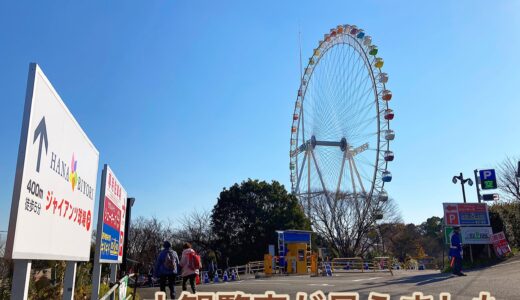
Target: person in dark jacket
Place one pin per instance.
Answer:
(166, 268)
(456, 251)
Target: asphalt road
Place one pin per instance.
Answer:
(502, 281)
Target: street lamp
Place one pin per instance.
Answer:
(462, 182)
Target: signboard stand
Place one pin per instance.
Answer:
(113, 277)
(96, 278)
(96, 271)
(21, 277)
(70, 278)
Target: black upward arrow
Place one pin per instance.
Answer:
(41, 131)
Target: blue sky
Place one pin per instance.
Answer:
(183, 98)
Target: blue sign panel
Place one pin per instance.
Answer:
(109, 243)
(488, 179)
(473, 218)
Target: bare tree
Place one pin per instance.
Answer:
(345, 220)
(508, 183)
(196, 228)
(145, 239)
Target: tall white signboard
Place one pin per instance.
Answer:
(55, 182)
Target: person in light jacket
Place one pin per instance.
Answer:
(188, 272)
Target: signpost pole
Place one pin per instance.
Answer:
(471, 253)
(21, 277)
(443, 246)
(96, 272)
(113, 278)
(477, 182)
(70, 279)
(129, 203)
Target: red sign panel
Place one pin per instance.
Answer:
(451, 218)
(500, 244)
(472, 208)
(112, 214)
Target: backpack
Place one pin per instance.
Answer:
(194, 261)
(169, 262)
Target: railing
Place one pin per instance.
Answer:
(348, 264)
(118, 284)
(254, 267)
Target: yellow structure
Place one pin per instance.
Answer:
(314, 264)
(268, 264)
(299, 258)
(294, 251)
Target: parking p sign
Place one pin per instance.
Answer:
(488, 180)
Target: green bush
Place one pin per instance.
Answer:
(508, 216)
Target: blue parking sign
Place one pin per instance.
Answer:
(488, 179)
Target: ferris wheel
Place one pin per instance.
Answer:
(340, 133)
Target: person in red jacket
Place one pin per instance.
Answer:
(189, 272)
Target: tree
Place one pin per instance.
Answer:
(346, 221)
(145, 239)
(432, 236)
(6, 271)
(401, 240)
(432, 227)
(196, 229)
(246, 216)
(509, 184)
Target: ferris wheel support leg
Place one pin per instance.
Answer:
(319, 175)
(308, 176)
(352, 175)
(341, 173)
(358, 177)
(301, 172)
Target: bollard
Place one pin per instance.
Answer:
(328, 270)
(233, 275)
(215, 278)
(225, 276)
(206, 278)
(366, 266)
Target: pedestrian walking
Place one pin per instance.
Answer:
(456, 252)
(211, 269)
(166, 267)
(190, 263)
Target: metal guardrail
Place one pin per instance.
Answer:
(348, 264)
(115, 286)
(255, 267)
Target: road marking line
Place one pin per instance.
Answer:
(372, 278)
